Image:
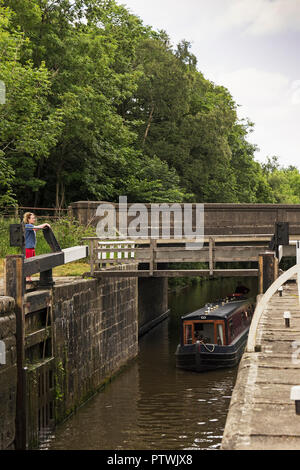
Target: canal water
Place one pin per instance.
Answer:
(151, 405)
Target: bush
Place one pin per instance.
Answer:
(5, 248)
(67, 231)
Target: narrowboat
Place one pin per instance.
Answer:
(214, 336)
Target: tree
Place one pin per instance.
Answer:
(100, 105)
(162, 90)
(251, 183)
(28, 128)
(284, 182)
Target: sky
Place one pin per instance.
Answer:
(251, 47)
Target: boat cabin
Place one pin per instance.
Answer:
(218, 324)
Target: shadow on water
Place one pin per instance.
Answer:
(152, 405)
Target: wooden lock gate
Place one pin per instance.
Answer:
(36, 365)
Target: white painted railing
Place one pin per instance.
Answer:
(265, 299)
(122, 246)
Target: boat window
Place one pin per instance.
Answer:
(220, 336)
(188, 334)
(248, 314)
(198, 331)
(204, 332)
(231, 329)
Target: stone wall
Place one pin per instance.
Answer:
(219, 219)
(153, 302)
(8, 372)
(91, 333)
(95, 334)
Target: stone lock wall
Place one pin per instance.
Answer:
(152, 303)
(95, 334)
(94, 327)
(8, 372)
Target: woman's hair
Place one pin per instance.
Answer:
(27, 216)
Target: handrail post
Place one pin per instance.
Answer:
(152, 264)
(132, 252)
(103, 254)
(92, 257)
(268, 270)
(211, 255)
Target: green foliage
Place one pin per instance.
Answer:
(28, 127)
(154, 182)
(100, 105)
(7, 197)
(67, 231)
(284, 182)
(5, 248)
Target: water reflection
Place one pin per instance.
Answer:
(152, 404)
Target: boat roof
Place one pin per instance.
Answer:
(217, 310)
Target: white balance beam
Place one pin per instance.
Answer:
(74, 253)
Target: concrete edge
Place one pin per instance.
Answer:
(239, 413)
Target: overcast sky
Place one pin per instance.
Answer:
(252, 48)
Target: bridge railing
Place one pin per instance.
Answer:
(103, 253)
(154, 252)
(265, 298)
(159, 252)
(115, 250)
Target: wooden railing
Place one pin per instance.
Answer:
(103, 253)
(153, 251)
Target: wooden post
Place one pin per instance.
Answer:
(46, 279)
(268, 270)
(211, 255)
(92, 257)
(152, 264)
(14, 283)
(51, 240)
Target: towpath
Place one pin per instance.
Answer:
(261, 415)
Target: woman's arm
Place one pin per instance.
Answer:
(38, 227)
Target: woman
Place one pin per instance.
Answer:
(30, 235)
